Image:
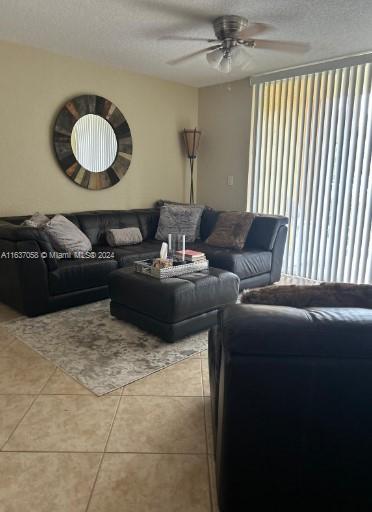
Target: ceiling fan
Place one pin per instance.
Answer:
(234, 37)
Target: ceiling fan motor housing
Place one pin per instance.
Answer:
(228, 27)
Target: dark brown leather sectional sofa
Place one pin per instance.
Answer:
(34, 282)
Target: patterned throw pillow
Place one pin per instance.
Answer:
(123, 236)
(66, 237)
(38, 220)
(231, 230)
(179, 220)
(165, 202)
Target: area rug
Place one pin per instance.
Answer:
(99, 351)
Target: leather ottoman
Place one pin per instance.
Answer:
(175, 307)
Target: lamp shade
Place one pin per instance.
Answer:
(191, 139)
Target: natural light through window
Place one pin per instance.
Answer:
(311, 144)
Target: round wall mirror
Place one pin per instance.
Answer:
(92, 142)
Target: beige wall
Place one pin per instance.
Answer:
(35, 84)
(224, 118)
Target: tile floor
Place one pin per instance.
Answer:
(144, 448)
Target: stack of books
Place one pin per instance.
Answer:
(192, 256)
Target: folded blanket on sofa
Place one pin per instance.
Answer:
(341, 295)
(124, 236)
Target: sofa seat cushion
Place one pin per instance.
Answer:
(80, 274)
(127, 255)
(244, 263)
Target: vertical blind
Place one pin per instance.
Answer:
(310, 159)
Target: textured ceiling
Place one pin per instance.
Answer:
(128, 33)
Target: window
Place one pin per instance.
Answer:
(311, 142)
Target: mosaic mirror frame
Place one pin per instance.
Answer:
(71, 112)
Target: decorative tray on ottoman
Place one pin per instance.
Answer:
(178, 269)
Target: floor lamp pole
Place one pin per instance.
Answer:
(192, 180)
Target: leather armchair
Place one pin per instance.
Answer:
(291, 394)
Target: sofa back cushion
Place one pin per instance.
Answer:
(148, 221)
(208, 221)
(95, 225)
(263, 232)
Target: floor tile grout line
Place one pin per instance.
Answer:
(6, 348)
(35, 397)
(35, 351)
(48, 379)
(103, 454)
(19, 422)
(19, 394)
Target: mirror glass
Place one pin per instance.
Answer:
(94, 143)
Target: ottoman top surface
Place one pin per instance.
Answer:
(176, 298)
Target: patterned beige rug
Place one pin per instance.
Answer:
(98, 350)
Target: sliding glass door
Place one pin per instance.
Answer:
(311, 140)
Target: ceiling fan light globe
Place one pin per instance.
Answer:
(225, 65)
(239, 57)
(214, 58)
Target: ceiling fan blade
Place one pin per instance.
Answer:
(253, 30)
(281, 46)
(194, 54)
(185, 38)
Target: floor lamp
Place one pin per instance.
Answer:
(191, 138)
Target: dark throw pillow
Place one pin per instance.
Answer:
(231, 230)
(336, 295)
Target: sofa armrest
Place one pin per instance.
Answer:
(264, 231)
(292, 417)
(259, 330)
(17, 233)
(23, 276)
(278, 254)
